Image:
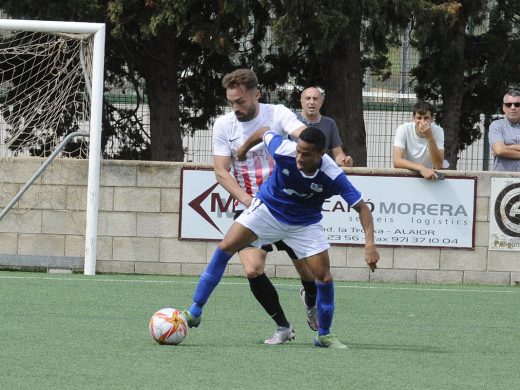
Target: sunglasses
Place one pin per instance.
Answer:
(516, 104)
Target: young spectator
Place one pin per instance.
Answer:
(419, 145)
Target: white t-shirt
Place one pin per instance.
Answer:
(229, 134)
(415, 147)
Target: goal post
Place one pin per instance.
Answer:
(27, 133)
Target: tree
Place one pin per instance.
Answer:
(181, 48)
(331, 44)
(464, 69)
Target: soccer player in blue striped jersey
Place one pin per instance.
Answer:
(288, 207)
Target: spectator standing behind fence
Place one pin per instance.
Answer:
(311, 101)
(419, 145)
(504, 135)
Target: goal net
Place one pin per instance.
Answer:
(43, 91)
(51, 86)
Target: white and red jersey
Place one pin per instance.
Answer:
(229, 134)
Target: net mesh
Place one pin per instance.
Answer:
(44, 92)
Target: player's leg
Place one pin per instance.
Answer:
(307, 280)
(310, 243)
(303, 269)
(235, 239)
(308, 292)
(253, 261)
(320, 265)
(258, 218)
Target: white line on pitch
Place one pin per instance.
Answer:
(378, 287)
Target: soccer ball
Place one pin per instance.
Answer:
(168, 326)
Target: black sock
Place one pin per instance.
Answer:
(266, 295)
(310, 292)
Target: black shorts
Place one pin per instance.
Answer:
(280, 245)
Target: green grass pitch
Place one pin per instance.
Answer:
(76, 331)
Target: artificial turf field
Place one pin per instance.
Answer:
(76, 331)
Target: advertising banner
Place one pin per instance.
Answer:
(407, 211)
(504, 214)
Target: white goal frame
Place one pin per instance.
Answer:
(98, 29)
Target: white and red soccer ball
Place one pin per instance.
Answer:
(168, 326)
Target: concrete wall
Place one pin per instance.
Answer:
(138, 229)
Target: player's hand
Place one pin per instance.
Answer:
(241, 153)
(247, 202)
(371, 256)
(347, 161)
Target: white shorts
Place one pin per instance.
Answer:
(304, 240)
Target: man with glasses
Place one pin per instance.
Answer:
(504, 135)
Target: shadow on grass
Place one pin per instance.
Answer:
(251, 344)
(398, 347)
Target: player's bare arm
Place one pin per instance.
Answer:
(252, 140)
(257, 137)
(296, 133)
(222, 167)
(367, 222)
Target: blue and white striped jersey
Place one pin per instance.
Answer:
(294, 198)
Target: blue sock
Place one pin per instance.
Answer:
(209, 280)
(325, 306)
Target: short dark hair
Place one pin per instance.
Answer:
(512, 92)
(238, 77)
(422, 108)
(314, 136)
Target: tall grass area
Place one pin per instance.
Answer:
(74, 331)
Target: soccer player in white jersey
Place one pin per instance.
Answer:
(242, 179)
(288, 207)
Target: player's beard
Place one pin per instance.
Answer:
(248, 115)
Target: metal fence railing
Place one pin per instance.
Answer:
(380, 126)
(387, 104)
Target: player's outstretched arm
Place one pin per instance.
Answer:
(222, 166)
(367, 222)
(254, 139)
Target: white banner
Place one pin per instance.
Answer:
(407, 211)
(504, 214)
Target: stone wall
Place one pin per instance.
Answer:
(138, 229)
